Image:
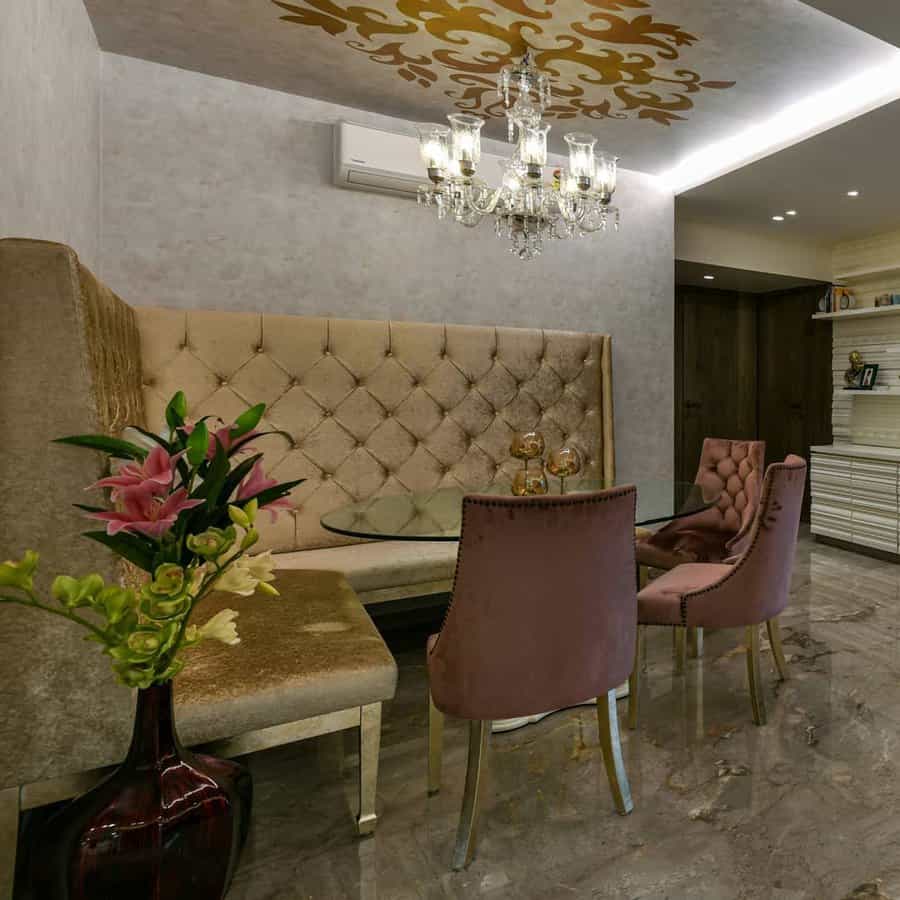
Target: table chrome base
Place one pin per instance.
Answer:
(501, 725)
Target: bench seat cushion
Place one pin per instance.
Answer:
(399, 568)
(312, 650)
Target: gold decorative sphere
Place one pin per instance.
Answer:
(564, 463)
(530, 483)
(527, 445)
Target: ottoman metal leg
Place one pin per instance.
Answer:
(369, 747)
(9, 836)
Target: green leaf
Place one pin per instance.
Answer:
(274, 493)
(113, 446)
(135, 549)
(238, 474)
(247, 420)
(198, 444)
(87, 508)
(214, 477)
(176, 410)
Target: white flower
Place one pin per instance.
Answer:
(236, 579)
(261, 566)
(243, 576)
(221, 627)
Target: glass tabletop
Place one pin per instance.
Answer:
(436, 515)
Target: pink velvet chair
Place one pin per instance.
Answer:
(751, 591)
(731, 469)
(543, 615)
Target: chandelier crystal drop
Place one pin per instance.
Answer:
(526, 208)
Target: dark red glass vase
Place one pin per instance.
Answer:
(167, 824)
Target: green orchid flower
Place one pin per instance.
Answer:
(18, 573)
(213, 542)
(168, 580)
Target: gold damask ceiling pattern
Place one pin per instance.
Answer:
(608, 59)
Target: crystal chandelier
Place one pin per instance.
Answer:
(526, 209)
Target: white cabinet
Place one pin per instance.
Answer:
(855, 495)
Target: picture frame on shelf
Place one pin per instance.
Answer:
(868, 377)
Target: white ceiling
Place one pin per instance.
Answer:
(813, 178)
(655, 80)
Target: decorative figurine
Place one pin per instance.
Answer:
(564, 463)
(852, 375)
(528, 445)
(530, 482)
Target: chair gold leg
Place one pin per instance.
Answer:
(777, 650)
(435, 746)
(757, 699)
(467, 834)
(634, 680)
(608, 722)
(695, 642)
(680, 649)
(9, 837)
(369, 747)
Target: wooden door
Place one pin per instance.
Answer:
(795, 380)
(715, 371)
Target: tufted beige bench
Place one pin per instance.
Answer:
(309, 663)
(375, 407)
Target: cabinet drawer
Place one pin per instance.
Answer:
(830, 469)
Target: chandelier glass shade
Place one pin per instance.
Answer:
(525, 207)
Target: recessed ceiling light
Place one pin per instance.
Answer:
(791, 212)
(852, 193)
(710, 277)
(777, 218)
(812, 115)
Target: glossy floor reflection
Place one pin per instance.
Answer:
(806, 807)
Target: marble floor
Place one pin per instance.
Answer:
(805, 807)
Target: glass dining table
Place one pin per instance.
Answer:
(436, 515)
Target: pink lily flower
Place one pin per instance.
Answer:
(144, 512)
(223, 435)
(154, 475)
(258, 481)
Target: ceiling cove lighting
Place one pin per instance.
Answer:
(817, 113)
(526, 207)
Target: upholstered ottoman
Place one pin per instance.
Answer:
(309, 662)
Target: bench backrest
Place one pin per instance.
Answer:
(375, 407)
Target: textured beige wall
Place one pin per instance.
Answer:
(50, 124)
(218, 194)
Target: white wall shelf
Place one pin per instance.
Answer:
(866, 273)
(863, 312)
(879, 389)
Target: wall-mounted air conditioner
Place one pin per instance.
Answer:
(367, 159)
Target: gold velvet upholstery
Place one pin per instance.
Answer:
(374, 407)
(311, 651)
(70, 364)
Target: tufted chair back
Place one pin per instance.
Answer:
(757, 587)
(377, 407)
(734, 471)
